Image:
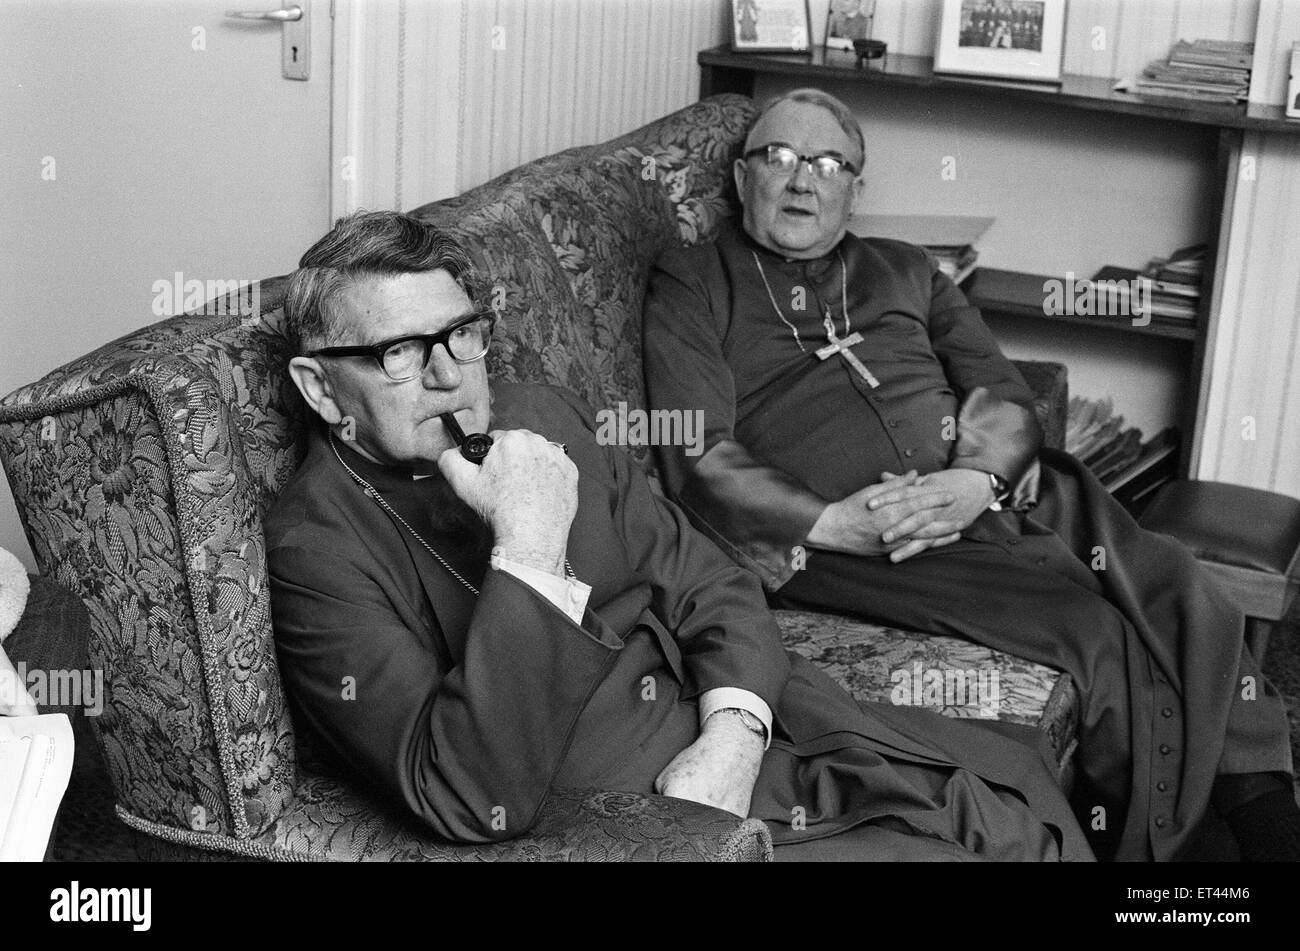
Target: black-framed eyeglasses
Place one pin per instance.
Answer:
(404, 358)
(784, 160)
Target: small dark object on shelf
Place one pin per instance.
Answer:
(869, 49)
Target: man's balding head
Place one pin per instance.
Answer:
(815, 97)
(797, 213)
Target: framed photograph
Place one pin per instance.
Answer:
(1293, 85)
(1008, 39)
(770, 26)
(848, 20)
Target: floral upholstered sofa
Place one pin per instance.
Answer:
(143, 471)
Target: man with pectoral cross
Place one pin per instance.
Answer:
(910, 474)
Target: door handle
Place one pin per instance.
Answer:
(290, 15)
(295, 36)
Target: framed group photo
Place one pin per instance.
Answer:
(770, 26)
(1006, 39)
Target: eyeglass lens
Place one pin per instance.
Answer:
(407, 359)
(785, 161)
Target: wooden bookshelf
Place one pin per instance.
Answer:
(1016, 294)
(721, 71)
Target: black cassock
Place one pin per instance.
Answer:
(1171, 697)
(462, 708)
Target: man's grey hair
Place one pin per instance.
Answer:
(842, 113)
(362, 245)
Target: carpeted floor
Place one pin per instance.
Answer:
(89, 830)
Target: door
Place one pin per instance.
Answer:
(140, 141)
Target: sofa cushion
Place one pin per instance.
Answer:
(954, 677)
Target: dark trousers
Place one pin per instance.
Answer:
(1171, 696)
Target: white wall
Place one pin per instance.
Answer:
(173, 151)
(447, 94)
(1251, 433)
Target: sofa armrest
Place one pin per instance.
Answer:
(1049, 383)
(577, 825)
(133, 482)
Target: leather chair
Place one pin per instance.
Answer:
(1248, 539)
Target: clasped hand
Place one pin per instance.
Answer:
(903, 515)
(526, 491)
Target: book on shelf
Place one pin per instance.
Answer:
(1160, 71)
(1095, 444)
(1090, 426)
(1120, 453)
(1175, 283)
(951, 239)
(1177, 289)
(1222, 54)
(35, 765)
(1155, 465)
(1209, 72)
(1129, 468)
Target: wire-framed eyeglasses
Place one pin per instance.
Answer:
(783, 160)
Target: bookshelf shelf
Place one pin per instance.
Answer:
(724, 71)
(1016, 294)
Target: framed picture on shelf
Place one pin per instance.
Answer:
(1006, 39)
(848, 20)
(770, 26)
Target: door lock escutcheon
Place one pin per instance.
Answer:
(295, 35)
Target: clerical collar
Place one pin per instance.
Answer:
(814, 267)
(377, 474)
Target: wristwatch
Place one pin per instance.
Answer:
(752, 723)
(1001, 491)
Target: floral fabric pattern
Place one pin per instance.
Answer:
(951, 676)
(329, 821)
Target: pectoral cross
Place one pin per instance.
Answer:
(841, 347)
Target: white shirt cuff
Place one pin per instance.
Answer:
(568, 594)
(720, 698)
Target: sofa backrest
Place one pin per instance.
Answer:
(567, 242)
(143, 470)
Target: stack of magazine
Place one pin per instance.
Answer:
(1175, 283)
(950, 239)
(1131, 469)
(1215, 72)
